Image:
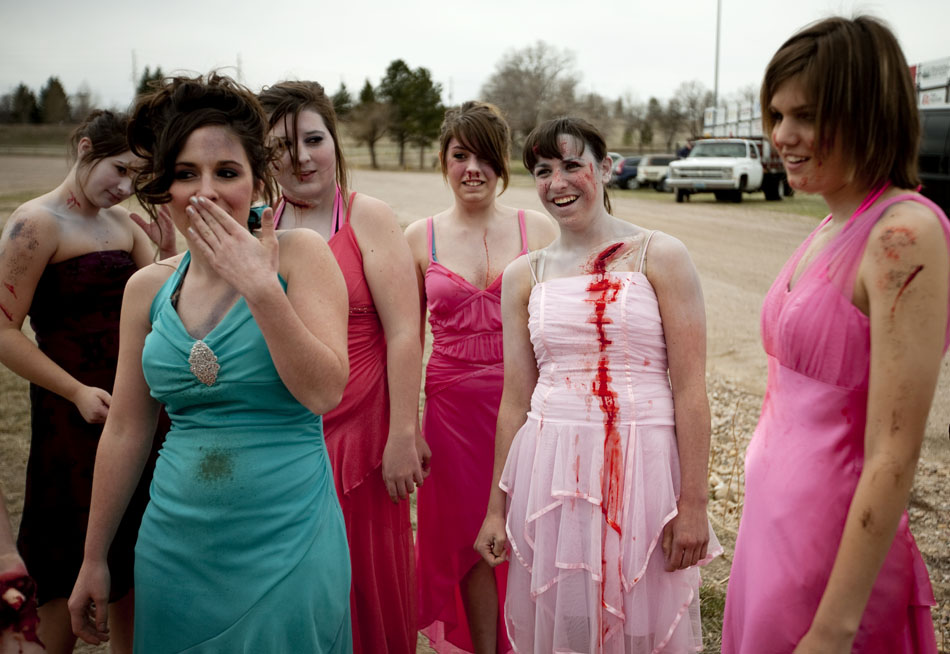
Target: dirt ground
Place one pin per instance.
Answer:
(738, 250)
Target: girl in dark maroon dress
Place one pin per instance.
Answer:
(64, 260)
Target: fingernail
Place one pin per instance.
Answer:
(202, 199)
(194, 200)
(190, 211)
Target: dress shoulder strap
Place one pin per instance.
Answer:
(279, 212)
(524, 232)
(349, 206)
(430, 236)
(643, 251)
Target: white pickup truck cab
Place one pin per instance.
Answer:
(729, 167)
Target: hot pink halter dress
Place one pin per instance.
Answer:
(379, 533)
(464, 379)
(804, 460)
(593, 477)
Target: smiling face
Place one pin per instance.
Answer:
(573, 185)
(471, 178)
(809, 168)
(212, 164)
(316, 157)
(107, 182)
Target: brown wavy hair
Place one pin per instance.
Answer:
(106, 130)
(165, 117)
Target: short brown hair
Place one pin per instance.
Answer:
(166, 116)
(480, 128)
(288, 99)
(542, 142)
(854, 72)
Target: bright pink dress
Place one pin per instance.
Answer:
(804, 460)
(593, 476)
(379, 533)
(463, 386)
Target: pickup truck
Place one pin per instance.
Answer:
(729, 167)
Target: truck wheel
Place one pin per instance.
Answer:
(632, 184)
(661, 186)
(721, 196)
(787, 188)
(736, 196)
(772, 187)
(681, 195)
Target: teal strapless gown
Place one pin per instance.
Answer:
(242, 547)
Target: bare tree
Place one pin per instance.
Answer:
(82, 102)
(693, 98)
(531, 84)
(369, 121)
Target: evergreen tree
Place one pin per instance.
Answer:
(395, 91)
(147, 78)
(54, 105)
(369, 121)
(25, 109)
(342, 102)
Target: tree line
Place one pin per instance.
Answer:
(529, 84)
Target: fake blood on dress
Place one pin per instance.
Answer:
(604, 291)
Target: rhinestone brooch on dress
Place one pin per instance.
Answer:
(204, 363)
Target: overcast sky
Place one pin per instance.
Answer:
(639, 47)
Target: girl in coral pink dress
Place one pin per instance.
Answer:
(460, 254)
(603, 472)
(372, 435)
(855, 327)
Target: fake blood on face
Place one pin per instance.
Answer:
(604, 291)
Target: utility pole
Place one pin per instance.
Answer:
(718, 22)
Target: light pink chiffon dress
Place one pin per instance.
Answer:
(587, 573)
(804, 460)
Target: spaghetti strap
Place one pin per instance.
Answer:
(279, 212)
(349, 206)
(524, 232)
(643, 251)
(539, 264)
(531, 265)
(430, 235)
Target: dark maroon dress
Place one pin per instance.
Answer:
(75, 315)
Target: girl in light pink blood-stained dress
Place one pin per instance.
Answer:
(605, 479)
(460, 254)
(854, 327)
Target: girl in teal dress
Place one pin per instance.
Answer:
(243, 339)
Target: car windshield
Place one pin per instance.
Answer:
(718, 150)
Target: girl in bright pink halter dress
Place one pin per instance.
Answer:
(854, 327)
(460, 254)
(603, 428)
(372, 434)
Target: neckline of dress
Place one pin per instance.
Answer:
(455, 275)
(182, 270)
(873, 196)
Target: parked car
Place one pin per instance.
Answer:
(614, 158)
(654, 169)
(934, 157)
(624, 174)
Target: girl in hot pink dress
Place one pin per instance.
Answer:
(603, 430)
(460, 254)
(855, 327)
(372, 435)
